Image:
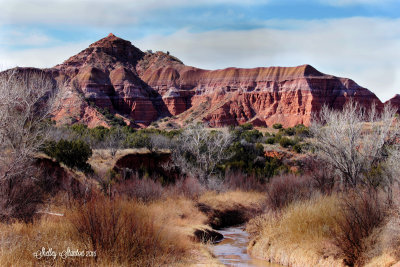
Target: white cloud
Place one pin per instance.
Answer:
(40, 57)
(30, 38)
(94, 12)
(364, 49)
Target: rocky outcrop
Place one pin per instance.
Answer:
(113, 74)
(105, 76)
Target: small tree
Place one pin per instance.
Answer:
(115, 140)
(355, 141)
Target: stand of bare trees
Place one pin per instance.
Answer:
(361, 144)
(27, 98)
(198, 151)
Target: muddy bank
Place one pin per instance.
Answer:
(231, 216)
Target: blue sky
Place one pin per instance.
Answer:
(359, 39)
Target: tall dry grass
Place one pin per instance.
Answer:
(300, 235)
(126, 233)
(346, 229)
(122, 232)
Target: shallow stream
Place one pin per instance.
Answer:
(232, 250)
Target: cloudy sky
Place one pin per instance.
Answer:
(358, 39)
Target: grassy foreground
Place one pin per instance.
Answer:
(305, 233)
(122, 232)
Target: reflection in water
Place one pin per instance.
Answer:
(232, 251)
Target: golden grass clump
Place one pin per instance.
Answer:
(299, 235)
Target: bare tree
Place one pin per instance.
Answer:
(27, 99)
(357, 142)
(115, 140)
(159, 141)
(198, 151)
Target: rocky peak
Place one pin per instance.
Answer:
(121, 49)
(105, 53)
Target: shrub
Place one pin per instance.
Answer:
(286, 142)
(145, 189)
(362, 211)
(289, 131)
(80, 129)
(270, 140)
(241, 181)
(246, 126)
(188, 187)
(297, 148)
(277, 126)
(278, 137)
(74, 154)
(274, 166)
(302, 130)
(322, 174)
(247, 157)
(251, 136)
(283, 190)
(138, 139)
(21, 200)
(113, 120)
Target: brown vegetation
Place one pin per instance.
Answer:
(122, 232)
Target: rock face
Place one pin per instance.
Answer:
(113, 74)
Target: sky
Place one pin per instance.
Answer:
(357, 39)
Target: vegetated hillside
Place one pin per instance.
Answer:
(112, 81)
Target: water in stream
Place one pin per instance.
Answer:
(232, 250)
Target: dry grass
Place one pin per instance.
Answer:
(230, 199)
(123, 233)
(178, 213)
(299, 236)
(306, 233)
(384, 243)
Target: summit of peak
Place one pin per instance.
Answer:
(110, 39)
(108, 49)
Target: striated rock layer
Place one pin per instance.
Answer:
(113, 74)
